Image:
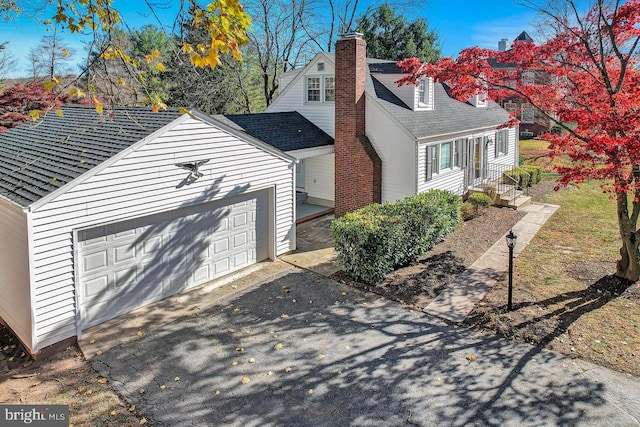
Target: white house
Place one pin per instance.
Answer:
(390, 141)
(101, 214)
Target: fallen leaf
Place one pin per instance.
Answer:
(89, 392)
(113, 413)
(234, 287)
(81, 389)
(294, 301)
(245, 380)
(270, 373)
(234, 363)
(23, 354)
(271, 331)
(176, 379)
(346, 347)
(252, 360)
(235, 310)
(11, 359)
(36, 384)
(230, 330)
(287, 369)
(92, 342)
(71, 383)
(98, 353)
(310, 391)
(102, 381)
(278, 346)
(141, 391)
(320, 356)
(239, 349)
(143, 421)
(439, 379)
(217, 392)
(139, 333)
(471, 357)
(284, 316)
(162, 387)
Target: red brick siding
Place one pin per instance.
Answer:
(358, 167)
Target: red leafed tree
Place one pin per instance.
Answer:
(585, 79)
(17, 102)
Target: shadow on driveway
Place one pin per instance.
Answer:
(354, 359)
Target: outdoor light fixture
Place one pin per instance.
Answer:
(511, 243)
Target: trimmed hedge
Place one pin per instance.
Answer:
(526, 176)
(373, 241)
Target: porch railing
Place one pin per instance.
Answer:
(494, 175)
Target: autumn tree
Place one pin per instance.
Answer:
(19, 103)
(390, 35)
(586, 81)
(225, 22)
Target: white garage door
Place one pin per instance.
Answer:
(132, 263)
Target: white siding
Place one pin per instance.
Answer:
(511, 158)
(320, 177)
(286, 78)
(15, 303)
(396, 150)
(146, 181)
(293, 97)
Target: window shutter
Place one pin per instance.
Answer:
(429, 164)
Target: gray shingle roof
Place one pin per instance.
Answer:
(286, 131)
(448, 116)
(37, 158)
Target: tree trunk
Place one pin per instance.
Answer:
(628, 267)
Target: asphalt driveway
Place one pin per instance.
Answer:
(316, 353)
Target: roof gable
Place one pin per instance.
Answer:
(286, 131)
(38, 158)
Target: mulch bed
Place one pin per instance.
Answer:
(418, 284)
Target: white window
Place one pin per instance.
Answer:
(313, 89)
(329, 89)
(442, 157)
(528, 114)
(320, 89)
(502, 142)
(445, 155)
(425, 93)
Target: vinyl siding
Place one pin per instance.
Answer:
(293, 97)
(144, 182)
(320, 176)
(15, 303)
(453, 180)
(397, 152)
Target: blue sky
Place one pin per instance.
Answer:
(459, 23)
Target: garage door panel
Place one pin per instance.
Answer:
(135, 262)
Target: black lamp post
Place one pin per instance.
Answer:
(511, 243)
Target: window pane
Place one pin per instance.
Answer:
(445, 155)
(422, 92)
(313, 89)
(329, 89)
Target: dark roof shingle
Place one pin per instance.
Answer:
(37, 158)
(287, 131)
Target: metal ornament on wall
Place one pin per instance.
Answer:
(192, 167)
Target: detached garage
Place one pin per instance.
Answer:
(103, 213)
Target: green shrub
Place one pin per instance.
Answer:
(535, 172)
(468, 211)
(490, 190)
(480, 202)
(373, 241)
(516, 177)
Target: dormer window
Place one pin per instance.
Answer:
(424, 94)
(320, 89)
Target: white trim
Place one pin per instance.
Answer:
(32, 275)
(305, 153)
(455, 135)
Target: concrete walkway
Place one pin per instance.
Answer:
(460, 297)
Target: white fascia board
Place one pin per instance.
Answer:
(311, 152)
(454, 135)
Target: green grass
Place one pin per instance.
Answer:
(529, 145)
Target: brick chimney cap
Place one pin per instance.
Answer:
(351, 35)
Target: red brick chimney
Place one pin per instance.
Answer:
(358, 167)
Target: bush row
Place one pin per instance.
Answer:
(525, 176)
(373, 241)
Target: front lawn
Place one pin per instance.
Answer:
(565, 297)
